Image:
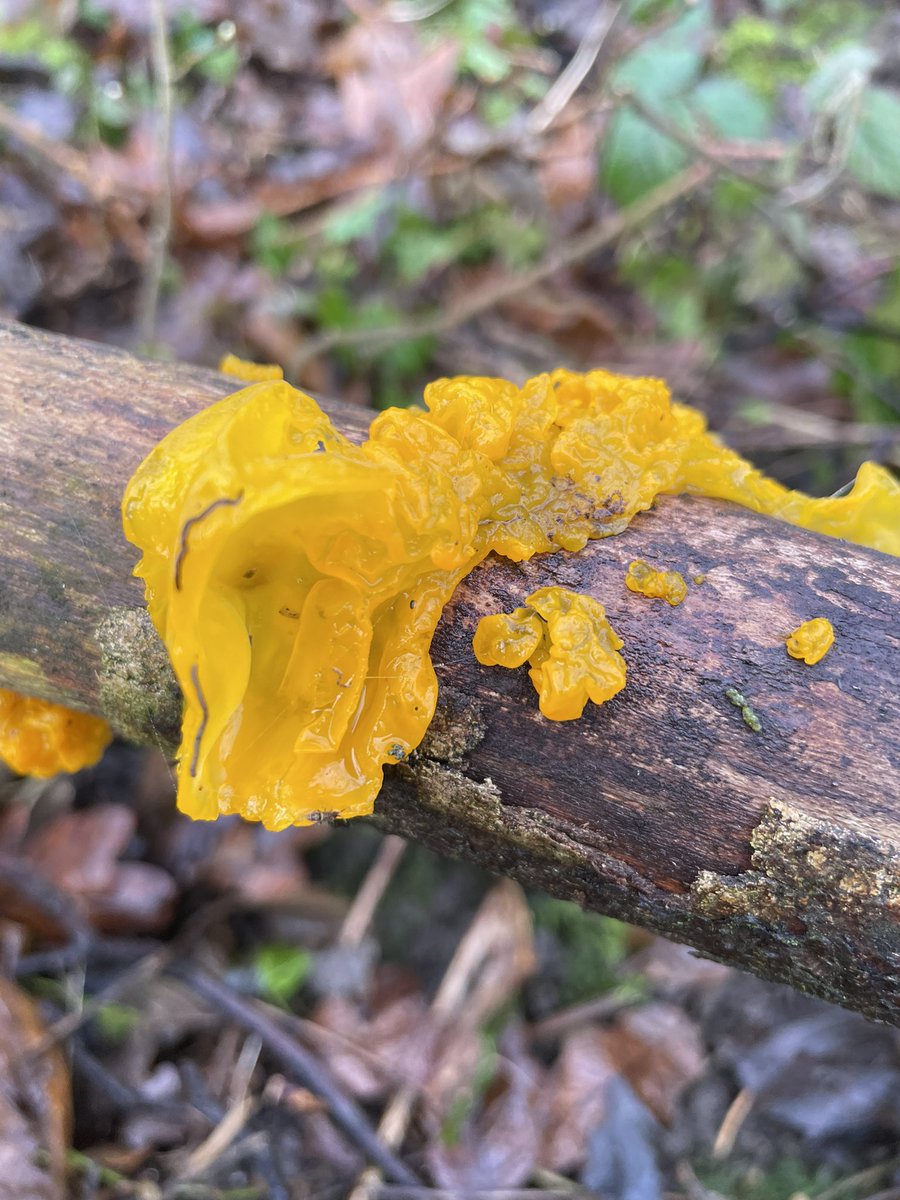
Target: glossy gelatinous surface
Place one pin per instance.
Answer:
(508, 639)
(250, 372)
(297, 579)
(41, 739)
(811, 641)
(658, 585)
(572, 648)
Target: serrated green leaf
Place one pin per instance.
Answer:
(732, 109)
(635, 157)
(874, 156)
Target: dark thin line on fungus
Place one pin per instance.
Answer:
(224, 502)
(195, 680)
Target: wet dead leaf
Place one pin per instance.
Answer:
(575, 1092)
(371, 1055)
(492, 1140)
(658, 1050)
(79, 852)
(568, 167)
(35, 1104)
(622, 1162)
(392, 87)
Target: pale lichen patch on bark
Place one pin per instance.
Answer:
(818, 885)
(138, 692)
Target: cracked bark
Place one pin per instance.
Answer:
(775, 851)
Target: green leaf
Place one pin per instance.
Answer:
(115, 1021)
(874, 157)
(356, 220)
(665, 65)
(732, 109)
(282, 971)
(220, 65)
(486, 61)
(825, 88)
(635, 157)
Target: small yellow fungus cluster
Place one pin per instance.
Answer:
(571, 647)
(297, 579)
(250, 372)
(658, 585)
(41, 739)
(811, 641)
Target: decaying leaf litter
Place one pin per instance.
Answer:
(374, 195)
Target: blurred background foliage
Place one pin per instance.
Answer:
(374, 194)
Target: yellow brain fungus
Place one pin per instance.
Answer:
(250, 372)
(297, 579)
(572, 648)
(811, 641)
(41, 739)
(658, 585)
(508, 639)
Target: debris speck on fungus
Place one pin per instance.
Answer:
(300, 714)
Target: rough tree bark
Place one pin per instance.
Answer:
(776, 851)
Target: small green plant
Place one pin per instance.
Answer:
(282, 970)
(593, 946)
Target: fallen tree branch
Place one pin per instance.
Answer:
(776, 851)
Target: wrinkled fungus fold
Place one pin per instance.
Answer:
(297, 579)
(811, 641)
(42, 739)
(655, 584)
(572, 649)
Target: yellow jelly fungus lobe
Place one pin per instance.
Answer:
(41, 739)
(250, 372)
(811, 641)
(658, 585)
(572, 648)
(297, 579)
(508, 639)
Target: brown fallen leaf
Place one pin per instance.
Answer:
(575, 1093)
(392, 86)
(658, 1050)
(492, 1141)
(79, 851)
(35, 1104)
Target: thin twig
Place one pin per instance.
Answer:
(737, 1114)
(868, 1177)
(571, 78)
(301, 1064)
(558, 1024)
(161, 217)
(386, 1192)
(141, 973)
(475, 947)
(362, 910)
(566, 253)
